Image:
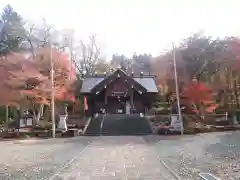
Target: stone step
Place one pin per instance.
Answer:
(94, 127)
(119, 124)
(134, 125)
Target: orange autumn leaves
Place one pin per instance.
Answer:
(26, 77)
(199, 94)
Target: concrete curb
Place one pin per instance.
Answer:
(55, 140)
(29, 141)
(86, 125)
(170, 170)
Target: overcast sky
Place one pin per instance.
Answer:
(142, 26)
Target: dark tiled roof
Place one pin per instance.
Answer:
(147, 82)
(89, 83)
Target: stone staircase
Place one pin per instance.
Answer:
(118, 124)
(93, 128)
(122, 124)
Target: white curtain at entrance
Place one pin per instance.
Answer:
(128, 107)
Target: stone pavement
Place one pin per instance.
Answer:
(31, 160)
(122, 157)
(115, 158)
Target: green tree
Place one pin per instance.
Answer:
(11, 31)
(120, 61)
(141, 63)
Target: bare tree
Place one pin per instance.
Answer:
(85, 55)
(89, 56)
(38, 36)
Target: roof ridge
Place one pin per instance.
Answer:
(103, 76)
(148, 76)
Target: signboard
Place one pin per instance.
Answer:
(29, 121)
(118, 93)
(25, 122)
(22, 122)
(176, 123)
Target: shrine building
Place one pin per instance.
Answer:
(119, 93)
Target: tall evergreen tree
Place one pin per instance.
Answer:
(11, 31)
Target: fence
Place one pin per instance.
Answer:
(193, 121)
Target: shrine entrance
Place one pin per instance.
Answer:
(118, 105)
(119, 93)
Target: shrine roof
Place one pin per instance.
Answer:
(89, 83)
(147, 81)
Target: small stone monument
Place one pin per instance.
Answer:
(62, 120)
(235, 122)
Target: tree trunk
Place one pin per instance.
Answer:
(201, 110)
(66, 109)
(236, 99)
(40, 112)
(6, 120)
(37, 116)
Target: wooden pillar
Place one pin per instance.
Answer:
(105, 100)
(73, 107)
(96, 110)
(131, 99)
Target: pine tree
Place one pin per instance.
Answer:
(11, 31)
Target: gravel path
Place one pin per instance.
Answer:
(216, 153)
(103, 158)
(117, 158)
(31, 161)
(122, 157)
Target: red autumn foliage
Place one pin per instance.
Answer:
(65, 73)
(17, 71)
(197, 92)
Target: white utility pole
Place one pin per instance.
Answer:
(52, 93)
(70, 48)
(177, 89)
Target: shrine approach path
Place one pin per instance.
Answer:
(90, 158)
